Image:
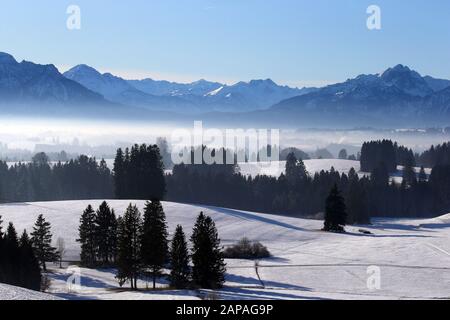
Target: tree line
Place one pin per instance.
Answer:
(22, 259)
(386, 152)
(435, 156)
(138, 245)
(80, 178)
(373, 153)
(139, 174)
(297, 193)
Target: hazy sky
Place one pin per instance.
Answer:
(294, 42)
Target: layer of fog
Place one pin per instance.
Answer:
(21, 137)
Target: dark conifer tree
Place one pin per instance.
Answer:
(295, 169)
(87, 238)
(105, 233)
(154, 248)
(141, 173)
(30, 271)
(12, 255)
(179, 259)
(41, 239)
(119, 175)
(207, 256)
(409, 173)
(1, 227)
(128, 255)
(335, 211)
(11, 235)
(343, 154)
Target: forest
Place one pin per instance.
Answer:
(139, 174)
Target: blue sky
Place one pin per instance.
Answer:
(294, 42)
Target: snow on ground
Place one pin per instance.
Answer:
(276, 168)
(413, 256)
(8, 292)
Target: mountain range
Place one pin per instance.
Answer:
(398, 96)
(200, 96)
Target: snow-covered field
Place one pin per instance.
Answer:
(412, 256)
(276, 168)
(14, 293)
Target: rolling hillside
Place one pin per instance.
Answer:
(413, 255)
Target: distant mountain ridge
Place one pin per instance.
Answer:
(200, 96)
(26, 82)
(397, 95)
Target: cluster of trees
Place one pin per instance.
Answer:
(297, 193)
(98, 236)
(21, 259)
(139, 173)
(385, 153)
(140, 246)
(18, 263)
(436, 156)
(294, 193)
(81, 178)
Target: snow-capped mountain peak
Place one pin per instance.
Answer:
(407, 80)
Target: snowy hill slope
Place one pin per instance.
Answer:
(8, 292)
(412, 255)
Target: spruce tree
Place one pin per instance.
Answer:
(154, 247)
(343, 154)
(119, 175)
(105, 233)
(335, 211)
(87, 238)
(295, 169)
(41, 239)
(128, 255)
(409, 173)
(1, 228)
(30, 271)
(207, 257)
(179, 259)
(11, 235)
(12, 255)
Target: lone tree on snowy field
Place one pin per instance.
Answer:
(207, 257)
(41, 239)
(154, 244)
(179, 259)
(335, 212)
